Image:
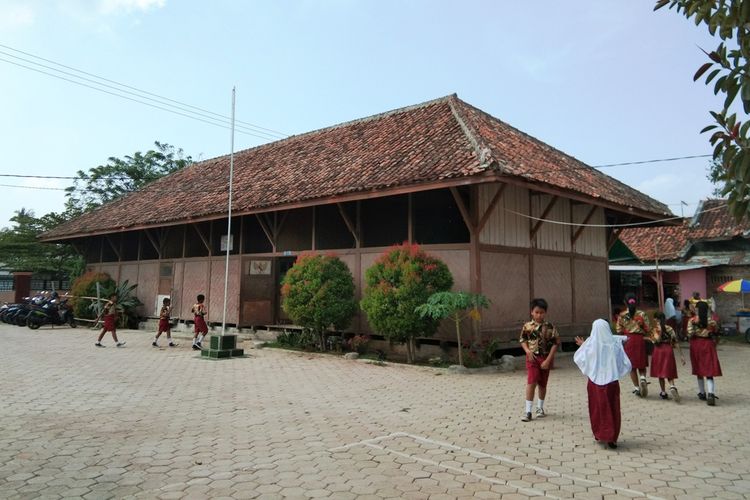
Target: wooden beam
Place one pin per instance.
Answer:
(279, 224)
(462, 208)
(546, 212)
(487, 213)
(578, 232)
(267, 230)
(351, 226)
(613, 237)
(114, 248)
(202, 237)
(153, 242)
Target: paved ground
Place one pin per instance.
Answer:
(140, 422)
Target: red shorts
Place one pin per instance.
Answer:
(109, 323)
(200, 325)
(164, 325)
(635, 348)
(535, 373)
(662, 362)
(703, 357)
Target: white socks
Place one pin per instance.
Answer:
(540, 404)
(711, 387)
(701, 385)
(529, 404)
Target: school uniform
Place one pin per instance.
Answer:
(603, 360)
(663, 364)
(164, 317)
(199, 311)
(540, 338)
(635, 327)
(110, 317)
(703, 356)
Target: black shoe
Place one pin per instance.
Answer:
(196, 347)
(199, 344)
(172, 344)
(637, 392)
(99, 344)
(663, 395)
(711, 399)
(154, 344)
(526, 417)
(612, 446)
(702, 396)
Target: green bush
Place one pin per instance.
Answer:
(318, 294)
(402, 279)
(85, 286)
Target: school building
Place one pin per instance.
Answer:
(471, 189)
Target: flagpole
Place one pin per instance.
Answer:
(229, 219)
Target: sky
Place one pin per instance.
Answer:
(604, 81)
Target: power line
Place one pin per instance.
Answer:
(651, 161)
(260, 129)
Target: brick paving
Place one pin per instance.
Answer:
(140, 422)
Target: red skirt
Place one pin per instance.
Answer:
(635, 348)
(604, 411)
(200, 325)
(109, 323)
(703, 357)
(535, 373)
(164, 325)
(663, 364)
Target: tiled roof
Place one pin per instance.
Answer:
(711, 222)
(441, 139)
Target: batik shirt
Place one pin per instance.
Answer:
(637, 323)
(695, 330)
(657, 337)
(540, 337)
(199, 309)
(165, 311)
(109, 309)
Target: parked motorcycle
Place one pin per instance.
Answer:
(52, 313)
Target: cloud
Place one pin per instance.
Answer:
(15, 15)
(128, 6)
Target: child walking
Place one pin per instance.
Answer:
(663, 365)
(602, 359)
(201, 328)
(703, 333)
(164, 325)
(633, 323)
(110, 322)
(539, 340)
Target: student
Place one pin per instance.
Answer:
(602, 359)
(687, 313)
(670, 312)
(164, 325)
(663, 365)
(110, 321)
(539, 340)
(633, 323)
(201, 328)
(703, 333)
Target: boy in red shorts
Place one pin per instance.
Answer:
(164, 325)
(201, 328)
(110, 321)
(539, 340)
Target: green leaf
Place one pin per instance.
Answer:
(702, 70)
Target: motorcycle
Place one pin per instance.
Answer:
(52, 313)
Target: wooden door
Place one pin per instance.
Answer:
(257, 292)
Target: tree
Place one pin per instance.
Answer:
(318, 293)
(21, 251)
(120, 176)
(399, 281)
(457, 306)
(730, 72)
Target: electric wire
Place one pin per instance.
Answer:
(141, 91)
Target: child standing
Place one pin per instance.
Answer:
(634, 324)
(602, 359)
(201, 328)
(539, 340)
(663, 365)
(110, 321)
(703, 333)
(164, 325)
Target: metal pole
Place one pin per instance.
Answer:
(229, 220)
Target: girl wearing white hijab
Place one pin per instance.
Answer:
(602, 359)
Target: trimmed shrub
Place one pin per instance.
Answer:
(85, 286)
(318, 294)
(402, 279)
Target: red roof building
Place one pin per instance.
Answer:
(497, 205)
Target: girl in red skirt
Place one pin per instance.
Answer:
(633, 323)
(704, 334)
(663, 365)
(110, 321)
(602, 359)
(164, 323)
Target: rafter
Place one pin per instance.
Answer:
(546, 212)
(578, 232)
